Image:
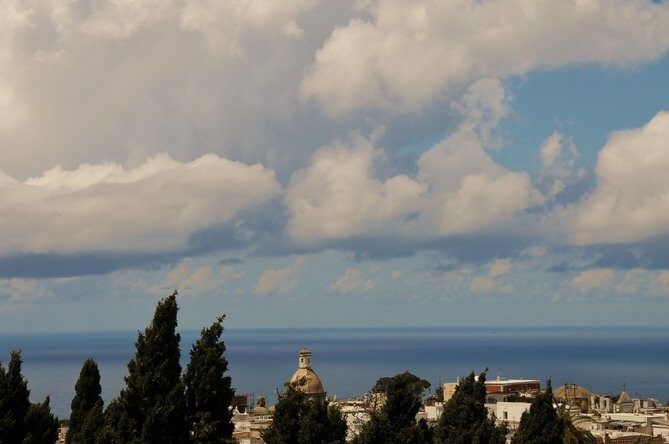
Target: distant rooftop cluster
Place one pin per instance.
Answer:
(611, 419)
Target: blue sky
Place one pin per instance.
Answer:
(320, 163)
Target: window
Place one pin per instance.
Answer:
(505, 415)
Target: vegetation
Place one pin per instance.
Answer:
(302, 419)
(208, 389)
(86, 417)
(152, 408)
(394, 421)
(21, 421)
(544, 424)
(41, 425)
(465, 418)
(160, 405)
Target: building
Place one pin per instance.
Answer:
(250, 421)
(528, 386)
(305, 378)
(575, 396)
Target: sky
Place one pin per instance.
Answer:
(322, 163)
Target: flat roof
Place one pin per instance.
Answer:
(513, 381)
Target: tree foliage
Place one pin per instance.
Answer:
(208, 388)
(465, 418)
(21, 421)
(14, 401)
(302, 419)
(541, 424)
(544, 424)
(152, 409)
(394, 421)
(41, 424)
(86, 417)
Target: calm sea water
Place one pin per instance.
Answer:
(350, 360)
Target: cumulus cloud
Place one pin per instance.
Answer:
(195, 279)
(486, 284)
(22, 290)
(482, 284)
(226, 23)
(280, 280)
(663, 280)
(594, 278)
(405, 56)
(353, 281)
(337, 196)
(154, 207)
(559, 164)
(229, 273)
(176, 76)
(499, 268)
(458, 188)
(631, 199)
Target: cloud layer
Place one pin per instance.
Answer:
(154, 207)
(249, 114)
(406, 56)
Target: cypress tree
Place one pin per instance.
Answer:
(544, 424)
(465, 418)
(541, 424)
(14, 401)
(208, 389)
(395, 421)
(41, 424)
(86, 416)
(151, 409)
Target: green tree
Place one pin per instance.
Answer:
(400, 398)
(208, 389)
(14, 401)
(41, 424)
(86, 417)
(541, 424)
(301, 419)
(544, 424)
(465, 418)
(152, 408)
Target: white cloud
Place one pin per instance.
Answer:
(559, 158)
(201, 278)
(486, 284)
(336, 196)
(226, 24)
(634, 281)
(594, 278)
(458, 187)
(482, 284)
(631, 200)
(228, 273)
(353, 281)
(24, 290)
(499, 268)
(662, 281)
(191, 280)
(279, 281)
(154, 207)
(176, 76)
(407, 55)
(551, 148)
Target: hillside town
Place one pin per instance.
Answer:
(612, 419)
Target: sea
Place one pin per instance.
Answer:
(350, 360)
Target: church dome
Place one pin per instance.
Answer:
(305, 378)
(571, 391)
